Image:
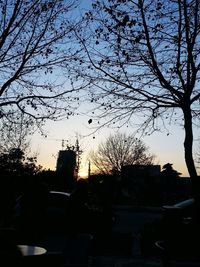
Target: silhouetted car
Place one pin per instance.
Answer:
(183, 205)
(57, 210)
(180, 233)
(182, 211)
(52, 219)
(175, 222)
(56, 203)
(52, 231)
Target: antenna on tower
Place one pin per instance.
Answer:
(63, 143)
(78, 155)
(89, 169)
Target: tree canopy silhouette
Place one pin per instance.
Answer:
(15, 133)
(142, 59)
(168, 170)
(33, 35)
(16, 163)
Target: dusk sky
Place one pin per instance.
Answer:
(167, 146)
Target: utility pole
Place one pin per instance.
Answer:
(78, 155)
(89, 169)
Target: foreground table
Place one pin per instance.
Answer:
(31, 250)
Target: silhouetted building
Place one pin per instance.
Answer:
(143, 184)
(138, 181)
(66, 165)
(140, 174)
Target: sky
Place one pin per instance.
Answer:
(166, 148)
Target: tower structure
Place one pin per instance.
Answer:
(68, 163)
(65, 168)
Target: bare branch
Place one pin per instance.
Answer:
(32, 39)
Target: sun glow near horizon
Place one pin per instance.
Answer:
(83, 174)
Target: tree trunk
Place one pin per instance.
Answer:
(188, 145)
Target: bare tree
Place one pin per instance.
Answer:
(16, 157)
(119, 150)
(34, 41)
(16, 131)
(142, 58)
(15, 134)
